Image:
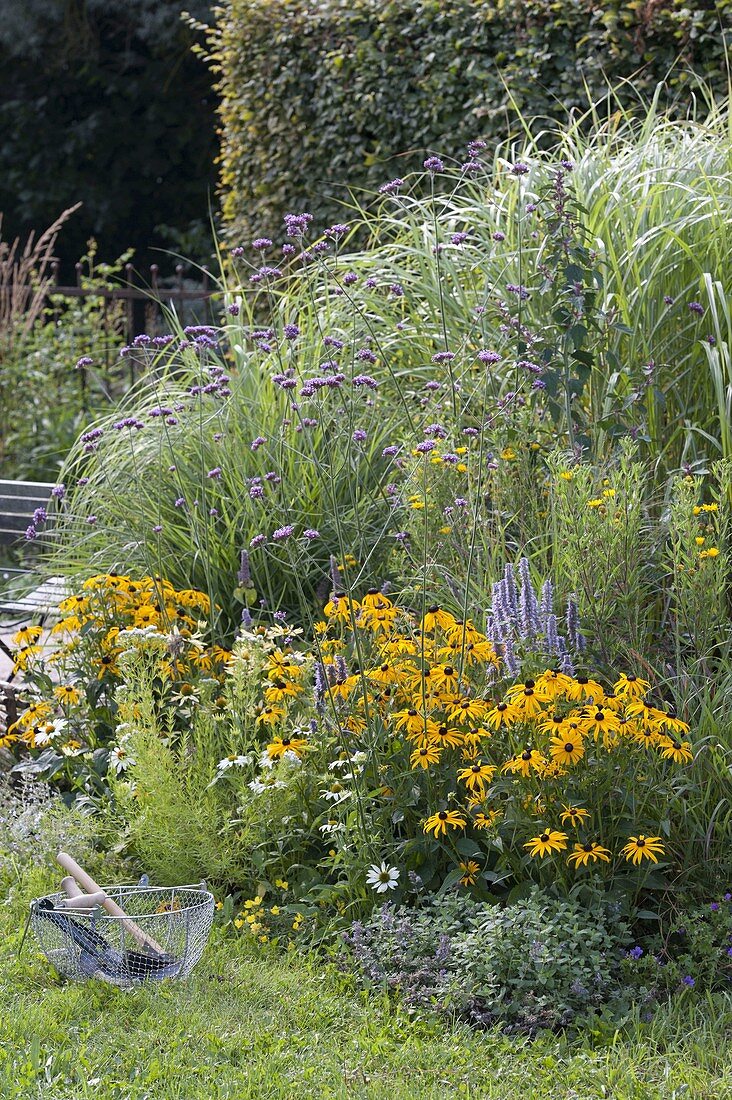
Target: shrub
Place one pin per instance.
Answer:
(315, 96)
(537, 963)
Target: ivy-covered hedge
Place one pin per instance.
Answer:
(317, 96)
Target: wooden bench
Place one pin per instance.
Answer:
(18, 502)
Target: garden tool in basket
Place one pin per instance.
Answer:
(91, 935)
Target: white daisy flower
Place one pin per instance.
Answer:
(381, 877)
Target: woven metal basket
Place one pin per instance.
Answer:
(92, 944)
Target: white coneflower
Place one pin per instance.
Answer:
(119, 759)
(381, 877)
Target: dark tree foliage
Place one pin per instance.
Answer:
(104, 102)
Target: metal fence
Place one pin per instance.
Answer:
(142, 299)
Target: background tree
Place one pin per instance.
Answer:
(105, 103)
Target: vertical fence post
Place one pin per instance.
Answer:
(130, 318)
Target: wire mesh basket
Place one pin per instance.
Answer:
(162, 934)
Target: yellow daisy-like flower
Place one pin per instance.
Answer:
(281, 745)
(678, 751)
(436, 618)
(566, 751)
(468, 711)
(27, 635)
(425, 756)
(523, 762)
(591, 851)
(632, 686)
(379, 620)
(270, 716)
(553, 683)
(600, 722)
(67, 694)
(438, 823)
(444, 677)
(574, 815)
(376, 600)
(503, 714)
(447, 737)
(470, 871)
(487, 820)
(643, 847)
(582, 687)
(477, 775)
(340, 606)
(551, 840)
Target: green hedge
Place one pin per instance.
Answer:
(316, 97)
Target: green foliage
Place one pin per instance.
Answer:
(537, 963)
(315, 97)
(104, 103)
(46, 402)
(247, 1023)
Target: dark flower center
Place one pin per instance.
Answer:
(569, 747)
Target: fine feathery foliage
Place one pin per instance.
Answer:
(317, 97)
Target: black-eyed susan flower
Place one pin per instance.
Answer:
(468, 711)
(281, 745)
(552, 724)
(526, 698)
(601, 722)
(270, 716)
(445, 677)
(583, 854)
(487, 820)
(436, 618)
(379, 620)
(553, 683)
(678, 751)
(376, 600)
(674, 723)
(477, 775)
(631, 686)
(574, 815)
(440, 822)
(523, 762)
(410, 719)
(502, 714)
(67, 694)
(27, 635)
(341, 607)
(446, 736)
(582, 687)
(566, 750)
(643, 847)
(550, 841)
(470, 870)
(425, 756)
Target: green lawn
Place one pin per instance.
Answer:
(253, 1026)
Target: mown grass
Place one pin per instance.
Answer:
(247, 1025)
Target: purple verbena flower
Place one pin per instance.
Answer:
(283, 533)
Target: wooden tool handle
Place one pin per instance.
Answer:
(70, 888)
(83, 901)
(114, 910)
